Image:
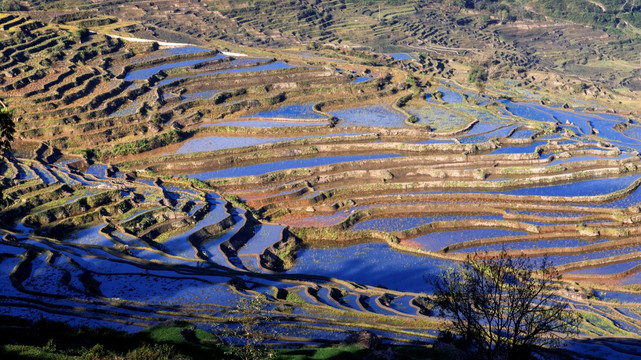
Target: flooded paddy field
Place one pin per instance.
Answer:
(171, 183)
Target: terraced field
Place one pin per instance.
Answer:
(151, 183)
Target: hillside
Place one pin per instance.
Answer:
(175, 160)
(577, 38)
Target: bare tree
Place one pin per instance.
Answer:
(250, 316)
(503, 306)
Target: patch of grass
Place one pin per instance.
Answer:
(359, 352)
(603, 323)
(171, 334)
(31, 352)
(343, 352)
(295, 298)
(57, 341)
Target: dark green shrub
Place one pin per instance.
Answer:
(152, 352)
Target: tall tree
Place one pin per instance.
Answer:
(503, 306)
(7, 129)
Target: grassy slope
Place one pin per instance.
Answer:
(56, 341)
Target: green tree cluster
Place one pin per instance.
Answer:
(7, 130)
(10, 5)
